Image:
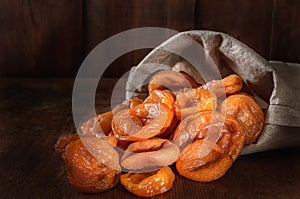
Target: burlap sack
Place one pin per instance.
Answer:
(275, 84)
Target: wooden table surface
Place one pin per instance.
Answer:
(35, 112)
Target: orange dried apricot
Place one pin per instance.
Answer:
(196, 165)
(91, 170)
(171, 80)
(142, 122)
(161, 96)
(149, 155)
(194, 101)
(148, 184)
(247, 113)
(213, 126)
(229, 85)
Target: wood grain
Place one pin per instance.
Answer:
(40, 38)
(286, 31)
(103, 19)
(249, 21)
(32, 122)
(51, 38)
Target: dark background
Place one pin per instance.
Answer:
(47, 38)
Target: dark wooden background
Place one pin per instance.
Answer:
(46, 38)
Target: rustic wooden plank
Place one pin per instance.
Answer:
(286, 31)
(31, 123)
(40, 38)
(248, 20)
(105, 18)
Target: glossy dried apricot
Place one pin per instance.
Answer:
(142, 122)
(247, 113)
(161, 96)
(171, 80)
(194, 101)
(203, 167)
(212, 126)
(91, 170)
(148, 184)
(229, 85)
(149, 155)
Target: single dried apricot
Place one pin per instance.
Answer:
(247, 113)
(229, 85)
(148, 184)
(142, 122)
(194, 101)
(171, 80)
(212, 126)
(161, 96)
(203, 167)
(91, 170)
(149, 155)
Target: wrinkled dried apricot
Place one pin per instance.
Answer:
(194, 101)
(171, 80)
(149, 155)
(195, 165)
(161, 96)
(213, 126)
(148, 184)
(229, 85)
(247, 113)
(142, 122)
(91, 170)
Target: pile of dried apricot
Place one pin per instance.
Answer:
(200, 128)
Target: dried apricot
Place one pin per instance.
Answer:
(194, 101)
(148, 184)
(229, 85)
(161, 96)
(142, 122)
(212, 126)
(247, 113)
(196, 165)
(171, 80)
(149, 155)
(91, 170)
